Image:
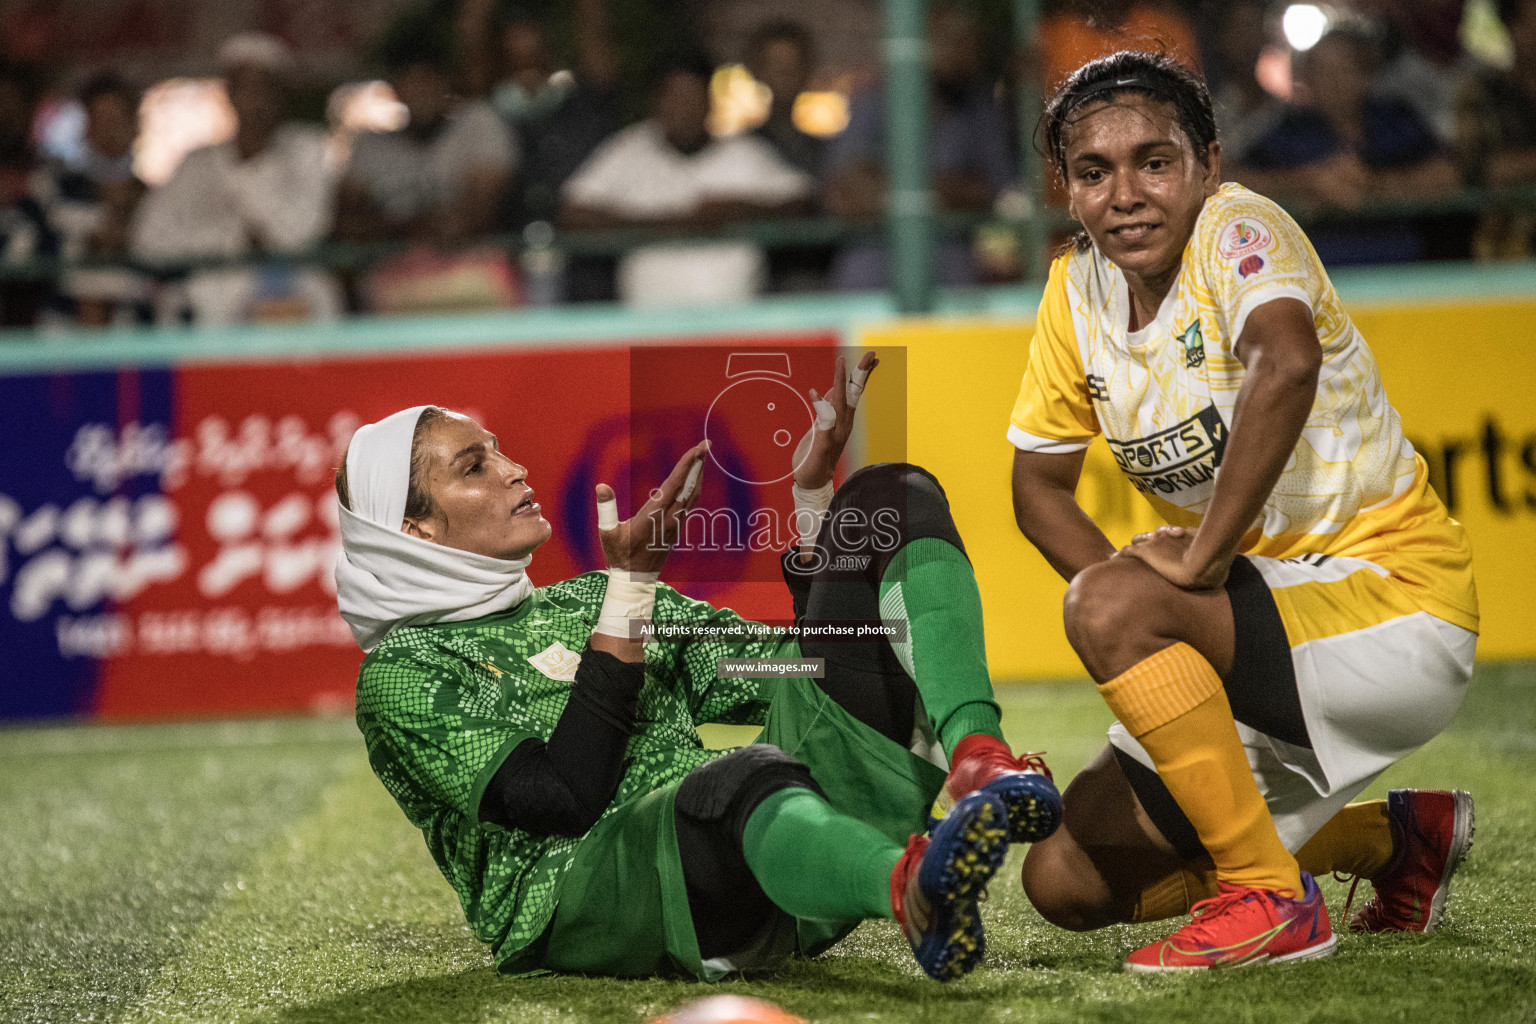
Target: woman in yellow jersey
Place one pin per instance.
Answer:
(1307, 617)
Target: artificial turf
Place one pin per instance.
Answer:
(256, 871)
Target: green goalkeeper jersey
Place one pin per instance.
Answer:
(440, 708)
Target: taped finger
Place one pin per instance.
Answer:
(692, 483)
(855, 386)
(608, 514)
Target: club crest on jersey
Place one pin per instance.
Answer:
(1250, 265)
(556, 661)
(1194, 344)
(1243, 237)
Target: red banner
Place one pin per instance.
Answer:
(240, 614)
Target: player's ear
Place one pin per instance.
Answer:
(422, 529)
(1211, 175)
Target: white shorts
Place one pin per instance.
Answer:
(1336, 675)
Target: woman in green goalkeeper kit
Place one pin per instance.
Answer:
(552, 762)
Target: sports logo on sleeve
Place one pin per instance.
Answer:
(1244, 237)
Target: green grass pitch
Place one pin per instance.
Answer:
(256, 871)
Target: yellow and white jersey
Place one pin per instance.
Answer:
(1163, 398)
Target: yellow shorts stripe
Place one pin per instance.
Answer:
(1315, 609)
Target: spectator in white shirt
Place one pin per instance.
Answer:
(667, 172)
(446, 175)
(267, 190)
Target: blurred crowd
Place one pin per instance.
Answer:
(512, 142)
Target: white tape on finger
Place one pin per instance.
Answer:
(855, 386)
(826, 416)
(608, 514)
(692, 483)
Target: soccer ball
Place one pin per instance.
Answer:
(727, 1009)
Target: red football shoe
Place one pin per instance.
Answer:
(985, 764)
(1243, 926)
(1432, 830)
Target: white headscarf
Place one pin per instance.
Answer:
(387, 578)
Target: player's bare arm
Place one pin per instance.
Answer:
(1046, 510)
(1280, 350)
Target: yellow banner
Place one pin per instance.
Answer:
(1462, 376)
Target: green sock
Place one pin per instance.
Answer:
(815, 863)
(930, 585)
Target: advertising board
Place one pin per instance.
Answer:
(168, 536)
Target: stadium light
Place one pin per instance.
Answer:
(1304, 25)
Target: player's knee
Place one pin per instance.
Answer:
(901, 485)
(880, 475)
(1057, 890)
(883, 507)
(1109, 606)
(731, 787)
(925, 495)
(1099, 603)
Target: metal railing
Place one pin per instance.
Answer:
(911, 223)
(1033, 230)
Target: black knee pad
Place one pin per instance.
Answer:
(893, 483)
(879, 509)
(728, 789)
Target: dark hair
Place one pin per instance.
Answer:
(418, 498)
(1130, 71)
(421, 37)
(1511, 11)
(108, 83)
(682, 61)
(781, 30)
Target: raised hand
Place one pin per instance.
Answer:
(641, 543)
(817, 454)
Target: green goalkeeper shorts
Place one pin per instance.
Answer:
(623, 905)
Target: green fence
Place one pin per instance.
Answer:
(911, 223)
(597, 324)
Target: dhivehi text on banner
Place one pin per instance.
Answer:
(168, 536)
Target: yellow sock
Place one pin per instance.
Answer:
(1173, 895)
(1356, 841)
(1174, 704)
